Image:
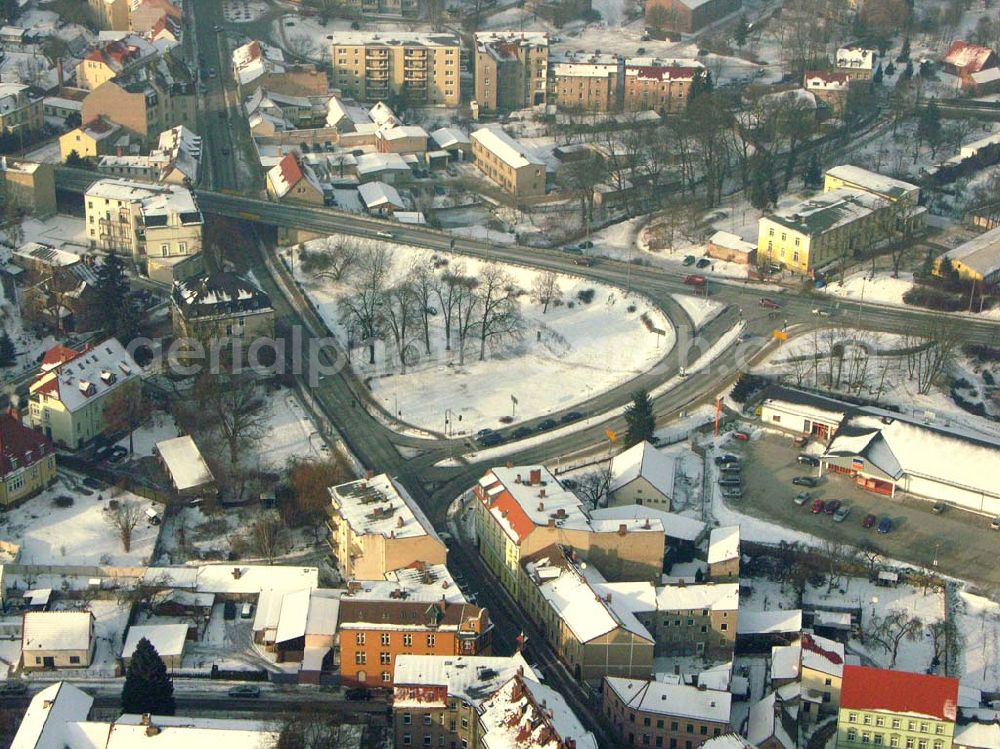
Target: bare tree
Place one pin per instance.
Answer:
(363, 308)
(425, 286)
(126, 409)
(335, 260)
(944, 339)
(872, 556)
(123, 518)
(837, 555)
(313, 728)
(500, 314)
(947, 639)
(448, 294)
(399, 313)
(236, 406)
(593, 487)
(265, 536)
(889, 631)
(468, 302)
(546, 289)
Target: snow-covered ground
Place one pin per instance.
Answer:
(573, 352)
(701, 310)
(291, 433)
(979, 623)
(243, 11)
(77, 534)
(160, 426)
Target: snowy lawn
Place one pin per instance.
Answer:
(701, 310)
(160, 426)
(573, 352)
(77, 534)
(979, 623)
(291, 433)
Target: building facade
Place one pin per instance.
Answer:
(30, 184)
(222, 306)
(27, 461)
(112, 15)
(650, 83)
(586, 83)
(505, 161)
(57, 639)
(511, 69)
(688, 16)
(21, 107)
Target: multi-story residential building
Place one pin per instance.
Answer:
(724, 554)
(894, 709)
(154, 224)
(389, 8)
(508, 163)
(593, 631)
(98, 137)
(112, 15)
(435, 697)
(21, 107)
(221, 306)
(27, 460)
(651, 83)
(373, 632)
(376, 526)
(30, 184)
(817, 231)
(526, 713)
(258, 65)
(523, 509)
(873, 183)
(641, 475)
(67, 399)
(688, 16)
(152, 16)
(425, 68)
(661, 714)
(176, 160)
(118, 57)
(586, 83)
(695, 619)
(817, 664)
(857, 61)
(511, 69)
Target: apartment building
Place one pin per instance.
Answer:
(651, 83)
(21, 107)
(724, 554)
(688, 16)
(817, 664)
(30, 184)
(523, 509)
(695, 619)
(376, 526)
(176, 160)
(586, 83)
(511, 69)
(593, 631)
(112, 15)
(425, 68)
(508, 163)
(373, 632)
(435, 697)
(662, 714)
(221, 305)
(66, 400)
(155, 16)
(27, 460)
(112, 59)
(896, 709)
(157, 225)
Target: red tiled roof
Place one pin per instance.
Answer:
(664, 72)
(58, 355)
(16, 441)
(899, 692)
(969, 58)
(827, 76)
(514, 514)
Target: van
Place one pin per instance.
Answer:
(246, 611)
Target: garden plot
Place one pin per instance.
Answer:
(49, 533)
(588, 341)
(978, 621)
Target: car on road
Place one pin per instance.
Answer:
(869, 521)
(808, 460)
(573, 250)
(585, 245)
(768, 303)
(689, 260)
(832, 506)
(385, 234)
(741, 436)
(885, 525)
(995, 524)
(571, 416)
(817, 506)
(726, 458)
(446, 537)
(841, 514)
(569, 483)
(440, 190)
(483, 432)
(13, 688)
(118, 454)
(547, 425)
(809, 481)
(820, 312)
(491, 440)
(357, 694)
(802, 498)
(586, 262)
(245, 691)
(801, 441)
(695, 280)
(521, 432)
(703, 263)
(211, 73)
(938, 508)
(732, 492)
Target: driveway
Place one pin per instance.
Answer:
(963, 542)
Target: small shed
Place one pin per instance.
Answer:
(724, 245)
(184, 464)
(168, 639)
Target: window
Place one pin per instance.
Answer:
(406, 739)
(879, 719)
(385, 638)
(894, 741)
(427, 739)
(359, 658)
(431, 640)
(386, 677)
(407, 719)
(74, 659)
(924, 728)
(877, 739)
(690, 728)
(896, 722)
(828, 682)
(922, 744)
(703, 730)
(939, 729)
(911, 725)
(407, 640)
(659, 724)
(427, 719)
(852, 734)
(724, 626)
(646, 722)
(910, 742)
(385, 658)
(866, 719)
(465, 722)
(673, 725)
(359, 638)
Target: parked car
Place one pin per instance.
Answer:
(768, 303)
(885, 525)
(732, 492)
(809, 481)
(841, 514)
(569, 483)
(521, 432)
(741, 436)
(820, 312)
(118, 454)
(802, 498)
(731, 468)
(586, 262)
(938, 508)
(384, 234)
(586, 245)
(483, 432)
(229, 611)
(726, 458)
(817, 506)
(573, 250)
(730, 480)
(245, 691)
(92, 483)
(808, 460)
(357, 694)
(547, 425)
(703, 263)
(571, 416)
(695, 280)
(869, 521)
(440, 190)
(13, 688)
(995, 524)
(801, 441)
(246, 611)
(491, 440)
(832, 506)
(689, 260)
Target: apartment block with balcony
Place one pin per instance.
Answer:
(511, 69)
(423, 68)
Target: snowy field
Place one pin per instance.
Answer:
(573, 352)
(77, 534)
(979, 622)
(700, 309)
(291, 433)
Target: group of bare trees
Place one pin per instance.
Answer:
(483, 307)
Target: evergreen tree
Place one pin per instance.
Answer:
(878, 74)
(907, 73)
(904, 53)
(640, 419)
(741, 31)
(115, 314)
(890, 69)
(929, 124)
(763, 189)
(73, 159)
(813, 175)
(700, 84)
(8, 355)
(927, 267)
(148, 688)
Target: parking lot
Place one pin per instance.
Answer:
(963, 542)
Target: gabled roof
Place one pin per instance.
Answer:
(524, 713)
(56, 630)
(378, 194)
(505, 148)
(223, 293)
(167, 639)
(91, 374)
(724, 544)
(880, 689)
(643, 460)
(45, 724)
(672, 699)
(20, 446)
(969, 58)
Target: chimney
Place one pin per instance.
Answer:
(152, 730)
(353, 587)
(541, 506)
(369, 475)
(399, 521)
(237, 573)
(60, 75)
(622, 529)
(645, 525)
(519, 646)
(607, 598)
(517, 479)
(552, 522)
(144, 721)
(541, 492)
(535, 476)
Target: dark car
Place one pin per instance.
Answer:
(229, 611)
(439, 190)
(483, 432)
(357, 694)
(732, 492)
(703, 263)
(728, 479)
(118, 454)
(102, 454)
(571, 416)
(547, 425)
(806, 481)
(938, 508)
(808, 460)
(245, 691)
(569, 483)
(92, 483)
(13, 688)
(491, 440)
(586, 245)
(869, 521)
(689, 260)
(832, 506)
(573, 250)
(522, 432)
(727, 458)
(768, 303)
(885, 525)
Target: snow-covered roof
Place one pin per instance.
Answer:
(254, 59)
(287, 173)
(380, 506)
(727, 741)
(724, 544)
(643, 460)
(856, 57)
(372, 163)
(766, 718)
(449, 137)
(172, 732)
(503, 45)
(184, 462)
(56, 630)
(178, 149)
(93, 373)
(577, 65)
(394, 39)
(657, 69)
(225, 293)
(519, 505)
(378, 194)
(505, 148)
(981, 254)
(153, 200)
(977, 735)
(422, 582)
(827, 211)
(398, 132)
(785, 661)
(661, 698)
(772, 621)
(468, 678)
(826, 80)
(234, 577)
(45, 725)
(822, 654)
(45, 253)
(873, 182)
(712, 596)
(674, 526)
(524, 713)
(968, 58)
(410, 217)
(731, 241)
(168, 639)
